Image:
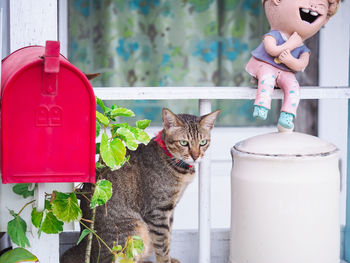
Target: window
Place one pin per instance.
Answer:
(169, 43)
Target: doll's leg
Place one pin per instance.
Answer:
(266, 83)
(290, 86)
(266, 77)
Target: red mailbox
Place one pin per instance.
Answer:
(48, 118)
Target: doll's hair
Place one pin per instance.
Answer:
(332, 8)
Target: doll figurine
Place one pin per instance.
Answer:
(282, 52)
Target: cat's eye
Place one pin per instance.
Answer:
(183, 142)
(203, 142)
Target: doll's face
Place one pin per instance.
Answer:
(305, 17)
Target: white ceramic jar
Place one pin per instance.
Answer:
(285, 200)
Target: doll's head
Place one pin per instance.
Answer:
(306, 17)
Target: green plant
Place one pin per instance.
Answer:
(112, 148)
(60, 208)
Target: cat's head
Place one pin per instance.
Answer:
(187, 137)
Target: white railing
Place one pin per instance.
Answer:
(204, 95)
(181, 93)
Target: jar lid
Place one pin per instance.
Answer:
(285, 144)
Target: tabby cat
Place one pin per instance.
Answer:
(147, 189)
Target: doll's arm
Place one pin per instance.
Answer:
(296, 64)
(275, 50)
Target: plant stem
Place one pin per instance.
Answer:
(90, 236)
(86, 197)
(104, 243)
(87, 220)
(20, 211)
(99, 250)
(98, 237)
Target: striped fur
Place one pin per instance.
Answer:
(147, 190)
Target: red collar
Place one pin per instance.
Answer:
(162, 145)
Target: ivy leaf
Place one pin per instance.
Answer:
(99, 165)
(128, 137)
(112, 153)
(122, 258)
(137, 238)
(142, 124)
(127, 158)
(101, 104)
(47, 203)
(116, 126)
(17, 228)
(138, 244)
(134, 247)
(36, 217)
(46, 222)
(143, 137)
(65, 207)
(22, 189)
(118, 150)
(102, 193)
(50, 223)
(18, 255)
(117, 248)
(140, 135)
(106, 152)
(98, 128)
(102, 119)
(84, 233)
(122, 112)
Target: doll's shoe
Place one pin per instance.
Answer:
(260, 112)
(286, 120)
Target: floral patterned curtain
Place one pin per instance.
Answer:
(168, 43)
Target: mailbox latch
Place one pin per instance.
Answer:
(51, 68)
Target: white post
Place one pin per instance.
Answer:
(204, 196)
(40, 197)
(31, 22)
(63, 26)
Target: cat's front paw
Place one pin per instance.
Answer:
(174, 260)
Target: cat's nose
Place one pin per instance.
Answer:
(194, 156)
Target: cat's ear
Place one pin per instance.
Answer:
(170, 119)
(92, 75)
(207, 121)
